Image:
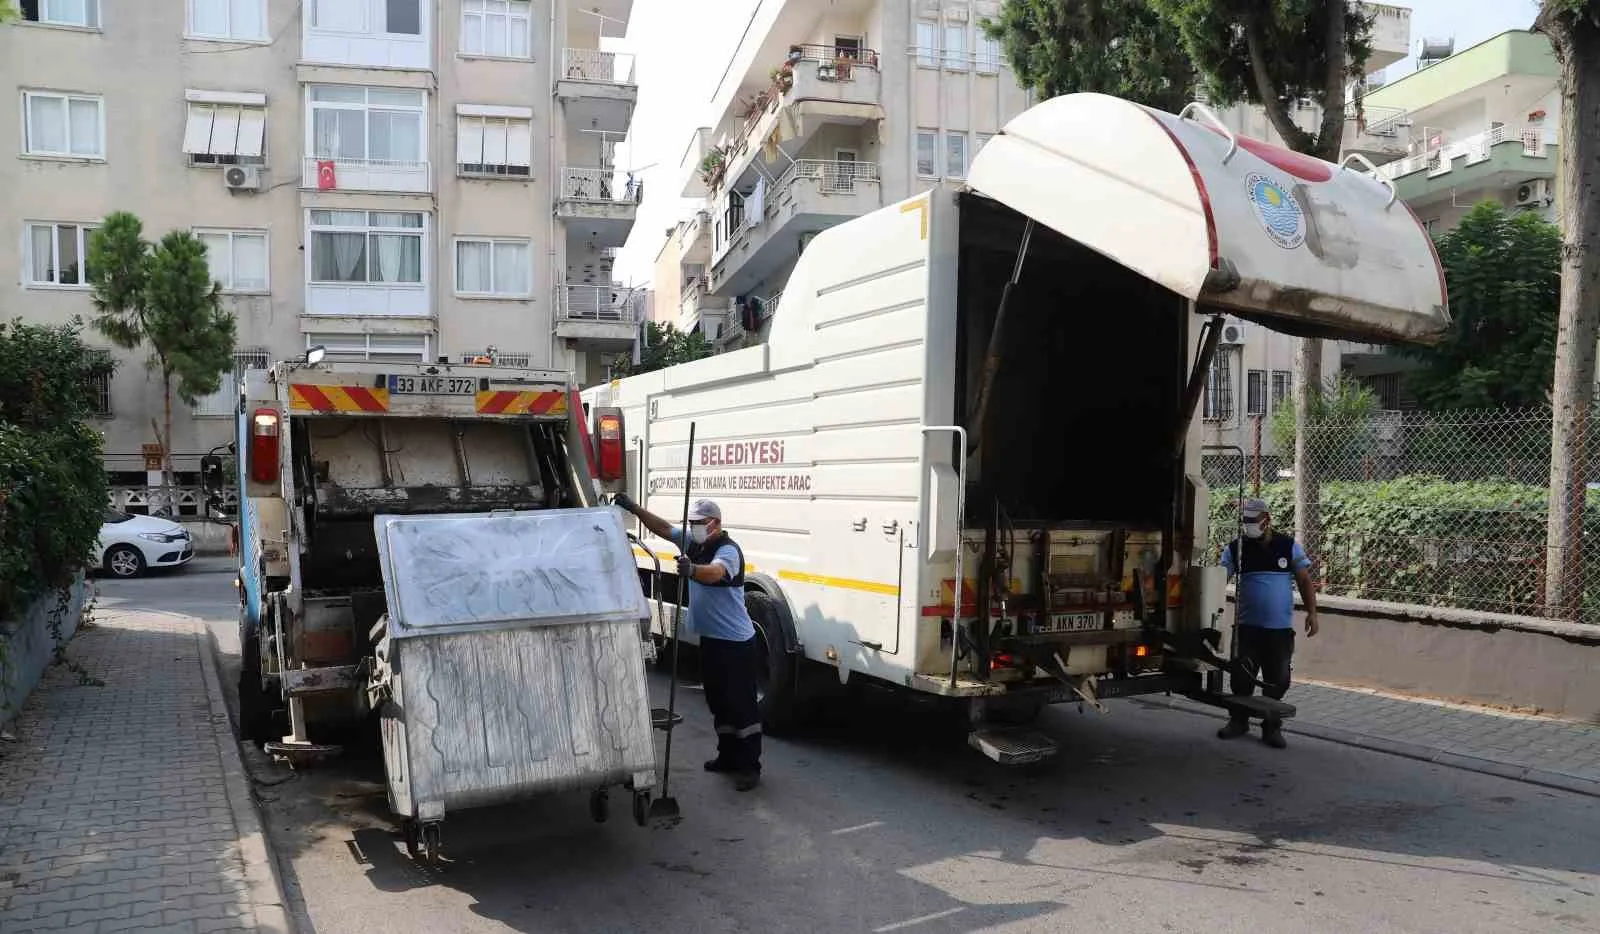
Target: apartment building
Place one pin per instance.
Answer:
(389, 179)
(825, 112)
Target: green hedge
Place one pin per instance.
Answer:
(53, 491)
(1476, 545)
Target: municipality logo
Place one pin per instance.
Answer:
(1278, 211)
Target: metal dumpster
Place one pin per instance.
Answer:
(509, 663)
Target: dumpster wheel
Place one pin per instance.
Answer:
(432, 844)
(413, 834)
(599, 805)
(641, 808)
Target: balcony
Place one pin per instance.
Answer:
(1496, 158)
(388, 175)
(368, 33)
(700, 310)
(597, 89)
(812, 195)
(599, 318)
(1385, 133)
(602, 201)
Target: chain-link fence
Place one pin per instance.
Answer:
(1435, 508)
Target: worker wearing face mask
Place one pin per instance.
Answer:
(729, 654)
(1268, 567)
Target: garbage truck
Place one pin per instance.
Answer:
(420, 545)
(965, 463)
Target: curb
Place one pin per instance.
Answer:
(1497, 767)
(260, 872)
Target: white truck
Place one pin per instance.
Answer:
(997, 386)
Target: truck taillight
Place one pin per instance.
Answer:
(264, 434)
(609, 442)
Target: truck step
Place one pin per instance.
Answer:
(1253, 706)
(1012, 745)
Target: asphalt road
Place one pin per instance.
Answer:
(882, 821)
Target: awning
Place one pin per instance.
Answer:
(1302, 246)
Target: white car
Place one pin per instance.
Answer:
(129, 545)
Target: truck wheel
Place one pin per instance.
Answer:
(775, 684)
(255, 704)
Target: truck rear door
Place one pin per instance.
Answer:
(1234, 224)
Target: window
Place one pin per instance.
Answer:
(225, 401)
(64, 124)
(955, 47)
(238, 258)
(62, 12)
(339, 15)
(366, 247)
(366, 124)
(100, 394)
(1281, 388)
(58, 255)
(1219, 387)
(1255, 392)
(499, 28)
(228, 19)
(403, 17)
(225, 134)
(847, 47)
(383, 348)
(955, 154)
(927, 44)
(927, 149)
(490, 145)
(398, 17)
(988, 55)
(503, 268)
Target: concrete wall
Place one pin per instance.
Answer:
(1491, 659)
(27, 645)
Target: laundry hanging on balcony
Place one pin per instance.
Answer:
(755, 206)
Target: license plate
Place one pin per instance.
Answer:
(1075, 622)
(433, 385)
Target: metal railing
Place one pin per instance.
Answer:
(835, 177)
(600, 185)
(595, 65)
(857, 57)
(613, 304)
(1535, 139)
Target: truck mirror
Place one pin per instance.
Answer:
(211, 473)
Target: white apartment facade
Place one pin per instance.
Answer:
(826, 112)
(389, 179)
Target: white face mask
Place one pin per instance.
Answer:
(1254, 530)
(698, 534)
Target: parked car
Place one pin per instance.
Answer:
(130, 545)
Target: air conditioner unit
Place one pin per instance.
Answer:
(1534, 193)
(1233, 331)
(242, 178)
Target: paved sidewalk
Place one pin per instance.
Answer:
(124, 807)
(1541, 750)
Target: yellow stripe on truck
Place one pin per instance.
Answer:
(821, 580)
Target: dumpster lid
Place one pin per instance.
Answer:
(1298, 244)
(505, 570)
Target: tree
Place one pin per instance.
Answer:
(1574, 30)
(1119, 47)
(1504, 272)
(664, 346)
(8, 11)
(163, 297)
(1274, 53)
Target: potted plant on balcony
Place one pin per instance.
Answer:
(712, 167)
(783, 77)
(841, 66)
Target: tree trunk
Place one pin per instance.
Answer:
(1307, 488)
(1576, 41)
(166, 444)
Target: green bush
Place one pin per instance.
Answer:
(1425, 540)
(52, 483)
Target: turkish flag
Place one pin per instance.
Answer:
(325, 176)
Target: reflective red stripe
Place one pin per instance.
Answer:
(315, 397)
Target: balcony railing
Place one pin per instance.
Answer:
(833, 177)
(598, 66)
(367, 175)
(602, 303)
(858, 57)
(605, 186)
(1535, 139)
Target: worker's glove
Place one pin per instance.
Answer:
(685, 566)
(624, 502)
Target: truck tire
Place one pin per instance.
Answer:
(255, 704)
(777, 683)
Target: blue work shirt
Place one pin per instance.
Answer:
(1266, 586)
(717, 612)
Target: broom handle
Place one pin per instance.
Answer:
(677, 619)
